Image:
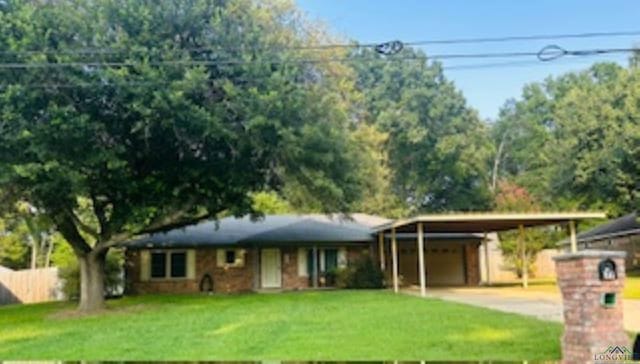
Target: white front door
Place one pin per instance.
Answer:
(270, 269)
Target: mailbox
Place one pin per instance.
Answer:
(607, 270)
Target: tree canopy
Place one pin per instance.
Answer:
(574, 140)
(438, 147)
(131, 117)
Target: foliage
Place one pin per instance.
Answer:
(269, 202)
(438, 148)
(159, 142)
(27, 238)
(364, 273)
(513, 198)
(573, 140)
(378, 196)
(14, 253)
(317, 326)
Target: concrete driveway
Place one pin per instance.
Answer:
(542, 305)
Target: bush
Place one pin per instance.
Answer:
(363, 274)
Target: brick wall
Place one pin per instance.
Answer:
(589, 328)
(225, 280)
(290, 277)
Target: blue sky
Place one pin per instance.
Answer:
(485, 89)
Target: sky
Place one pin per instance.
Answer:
(486, 89)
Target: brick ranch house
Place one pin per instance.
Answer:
(288, 252)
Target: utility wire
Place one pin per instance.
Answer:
(548, 53)
(97, 84)
(107, 51)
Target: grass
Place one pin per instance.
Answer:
(631, 286)
(334, 325)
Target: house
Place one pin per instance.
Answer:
(303, 251)
(621, 234)
(284, 252)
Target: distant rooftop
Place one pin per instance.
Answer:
(622, 226)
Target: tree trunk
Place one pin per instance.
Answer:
(92, 281)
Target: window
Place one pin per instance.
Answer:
(178, 265)
(158, 265)
(330, 259)
(230, 256)
(169, 264)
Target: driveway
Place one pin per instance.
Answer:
(542, 305)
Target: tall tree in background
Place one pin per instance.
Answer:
(378, 196)
(574, 140)
(438, 147)
(202, 109)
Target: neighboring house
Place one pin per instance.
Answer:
(622, 234)
(286, 252)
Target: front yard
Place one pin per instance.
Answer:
(354, 325)
(631, 285)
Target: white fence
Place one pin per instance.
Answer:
(29, 286)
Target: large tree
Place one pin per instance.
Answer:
(574, 140)
(438, 147)
(127, 117)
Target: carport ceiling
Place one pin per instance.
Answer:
(484, 222)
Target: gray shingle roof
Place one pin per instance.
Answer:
(278, 229)
(620, 226)
(269, 229)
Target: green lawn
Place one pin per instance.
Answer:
(354, 325)
(631, 285)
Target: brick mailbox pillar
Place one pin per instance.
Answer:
(591, 283)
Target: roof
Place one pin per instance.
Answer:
(622, 226)
(484, 222)
(313, 228)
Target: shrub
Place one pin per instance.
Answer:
(363, 274)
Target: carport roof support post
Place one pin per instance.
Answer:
(572, 234)
(421, 271)
(394, 259)
(487, 260)
(381, 250)
(523, 257)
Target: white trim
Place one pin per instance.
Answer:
(303, 269)
(558, 217)
(167, 264)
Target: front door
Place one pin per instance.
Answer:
(270, 269)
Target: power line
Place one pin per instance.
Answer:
(548, 53)
(107, 51)
(525, 37)
(463, 67)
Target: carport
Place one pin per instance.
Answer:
(468, 223)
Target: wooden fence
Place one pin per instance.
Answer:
(29, 286)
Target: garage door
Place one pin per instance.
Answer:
(444, 265)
